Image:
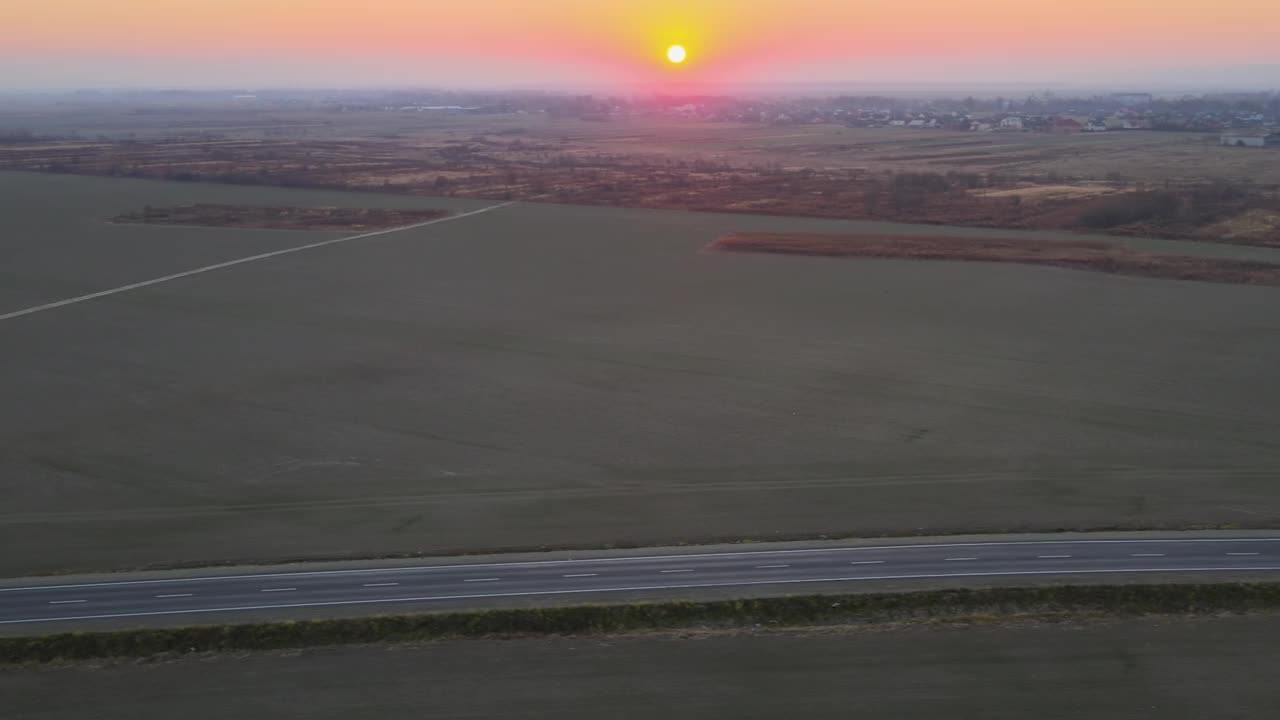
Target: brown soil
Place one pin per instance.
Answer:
(279, 218)
(1092, 255)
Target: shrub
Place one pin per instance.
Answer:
(1131, 208)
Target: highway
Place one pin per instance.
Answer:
(381, 588)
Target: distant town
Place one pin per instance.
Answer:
(1241, 119)
(1256, 114)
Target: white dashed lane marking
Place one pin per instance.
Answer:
(783, 578)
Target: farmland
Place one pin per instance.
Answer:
(1177, 668)
(1008, 180)
(549, 375)
(1137, 157)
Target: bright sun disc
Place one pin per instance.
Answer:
(676, 54)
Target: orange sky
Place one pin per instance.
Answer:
(624, 40)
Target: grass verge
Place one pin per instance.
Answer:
(935, 605)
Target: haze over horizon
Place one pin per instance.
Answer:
(577, 44)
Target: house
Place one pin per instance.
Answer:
(1038, 123)
(1095, 125)
(1127, 123)
(1013, 122)
(1065, 125)
(1249, 139)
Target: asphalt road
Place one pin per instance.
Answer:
(380, 588)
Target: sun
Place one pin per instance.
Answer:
(676, 54)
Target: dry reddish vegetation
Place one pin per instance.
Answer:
(279, 218)
(1075, 254)
(484, 166)
(497, 168)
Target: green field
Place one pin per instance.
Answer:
(567, 376)
(1168, 668)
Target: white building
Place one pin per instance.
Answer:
(1013, 122)
(1239, 139)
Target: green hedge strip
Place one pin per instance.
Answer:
(595, 619)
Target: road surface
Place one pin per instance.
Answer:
(382, 588)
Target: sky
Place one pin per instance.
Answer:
(622, 43)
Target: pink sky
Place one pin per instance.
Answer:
(554, 42)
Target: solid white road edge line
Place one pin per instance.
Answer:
(693, 556)
(240, 261)
(687, 586)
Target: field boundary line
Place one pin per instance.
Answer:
(240, 261)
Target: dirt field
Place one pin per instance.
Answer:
(277, 218)
(1092, 255)
(563, 376)
(1167, 668)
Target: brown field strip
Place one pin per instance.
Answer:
(1098, 256)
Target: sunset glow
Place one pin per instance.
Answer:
(676, 54)
(513, 41)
